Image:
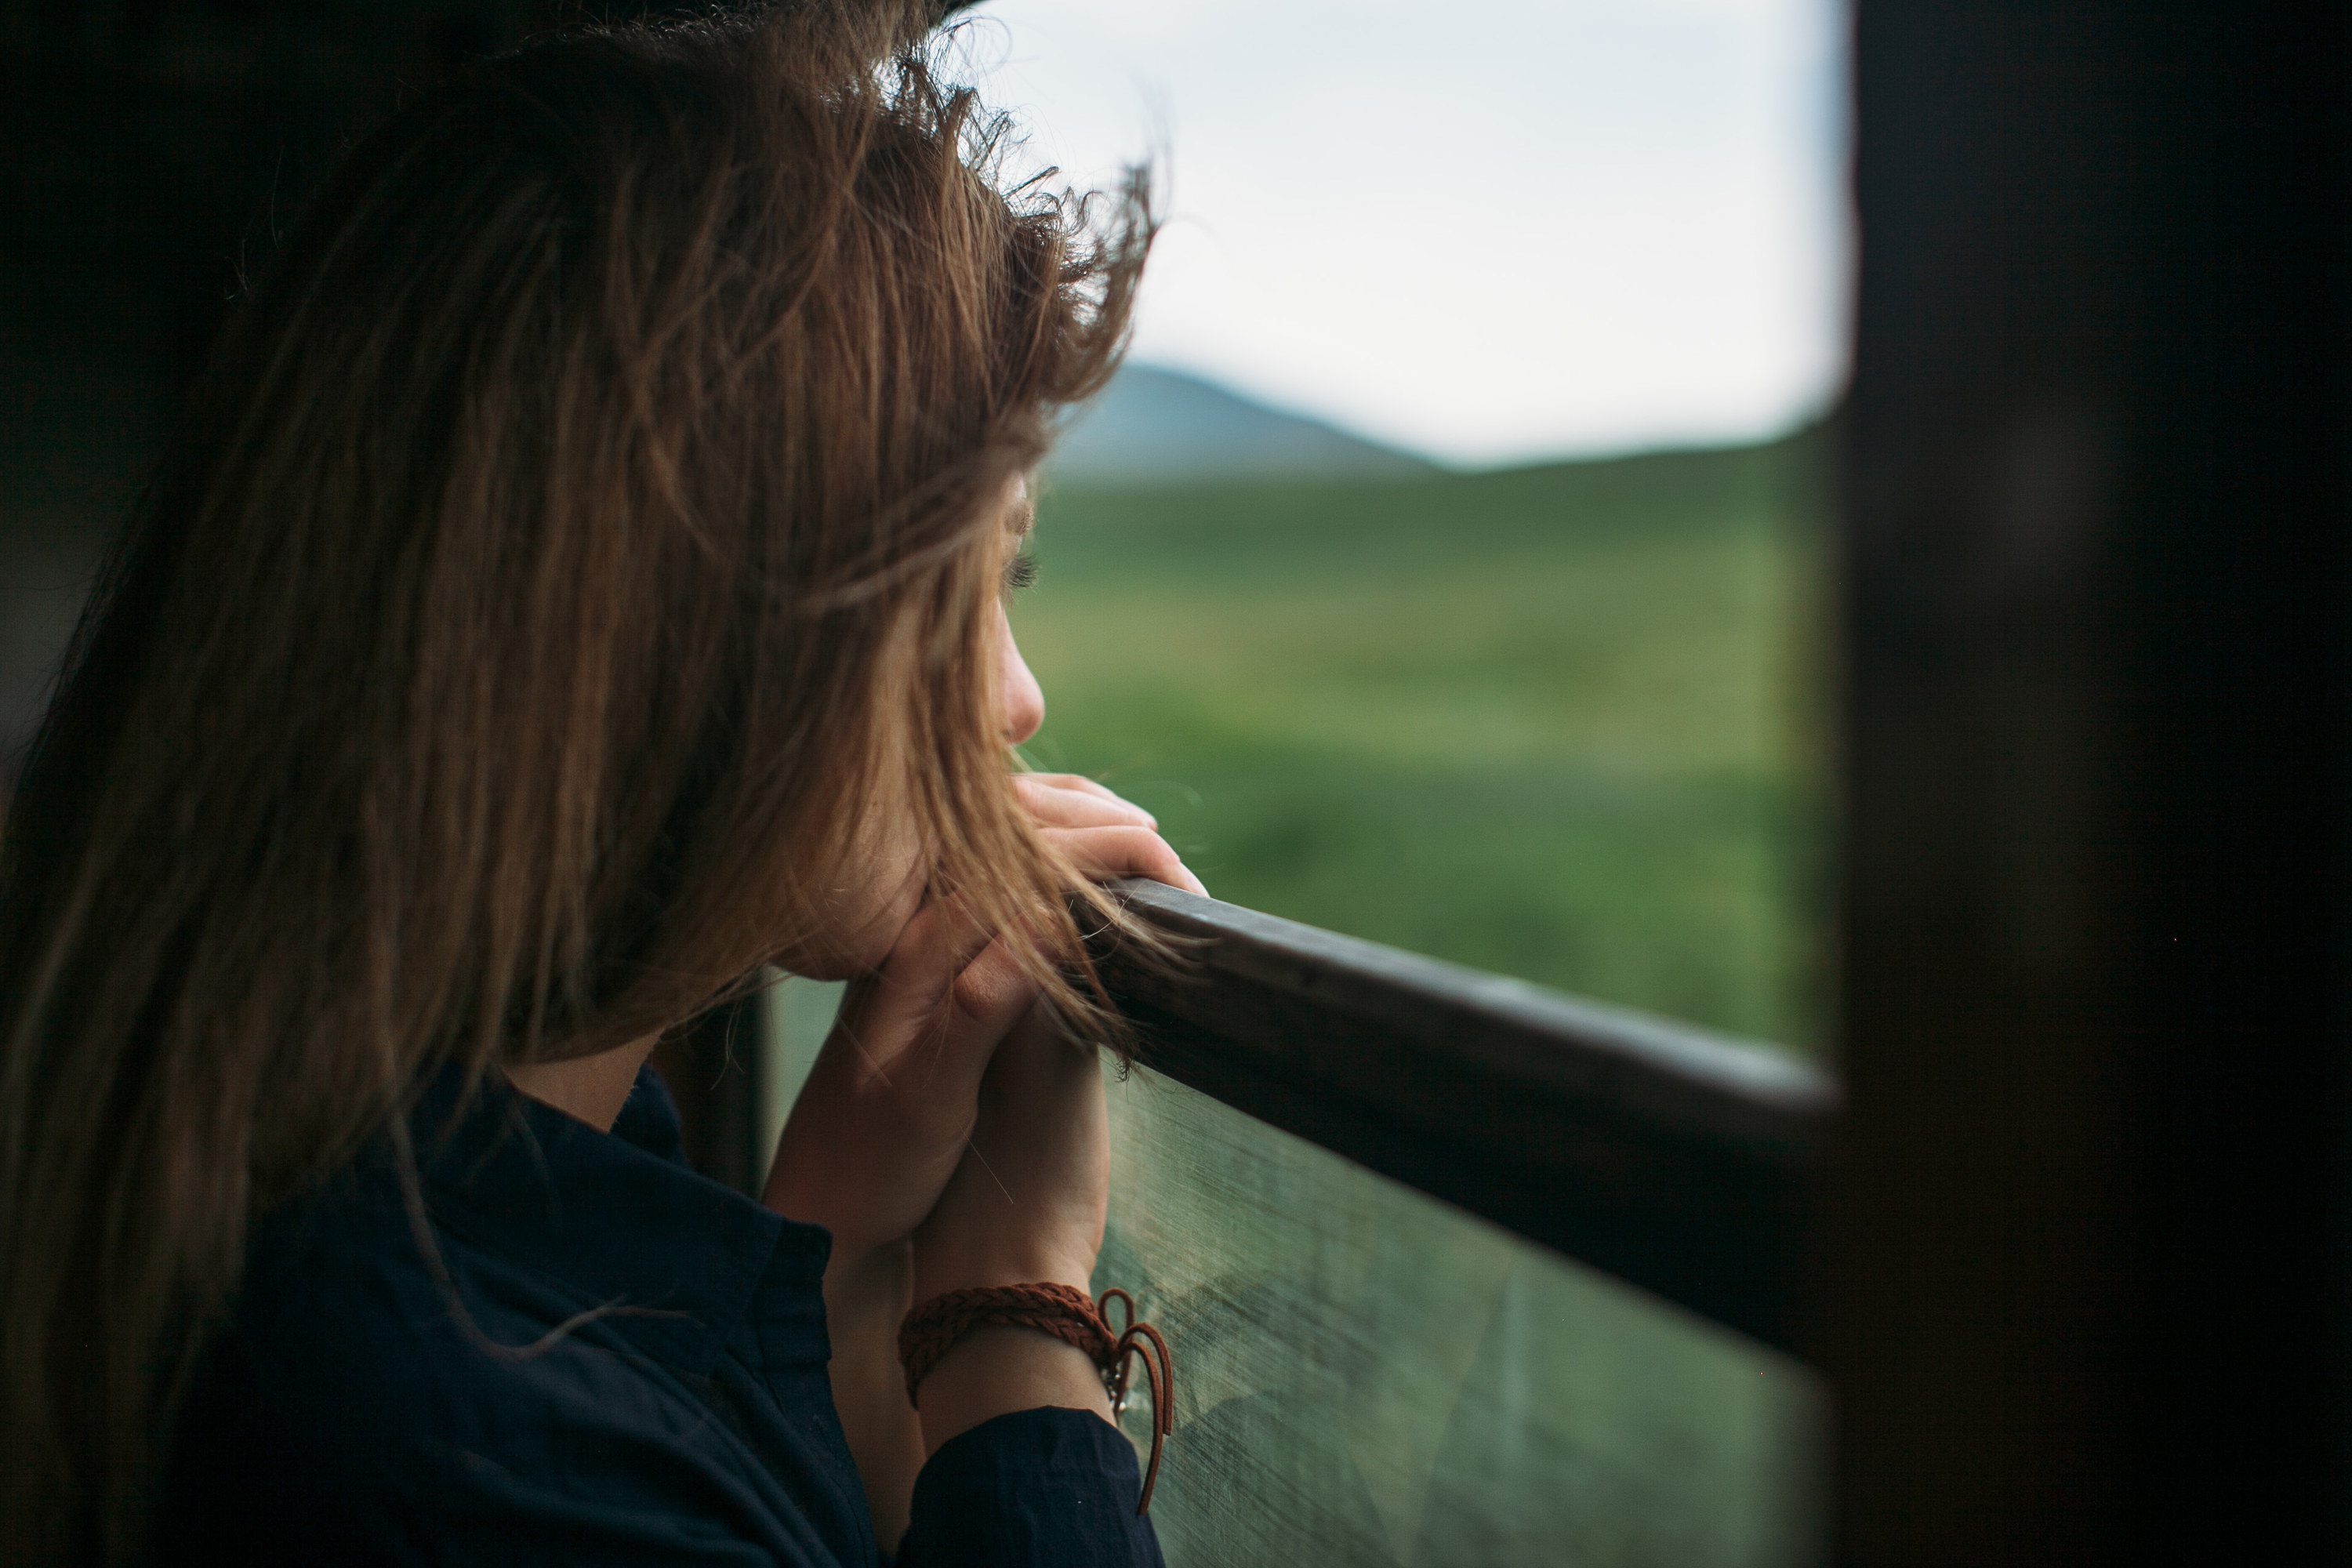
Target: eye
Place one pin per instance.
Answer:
(1019, 572)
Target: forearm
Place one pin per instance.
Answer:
(866, 1296)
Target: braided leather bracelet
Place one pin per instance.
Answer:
(928, 1332)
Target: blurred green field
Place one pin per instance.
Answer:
(1561, 721)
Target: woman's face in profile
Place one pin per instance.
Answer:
(887, 876)
(1021, 703)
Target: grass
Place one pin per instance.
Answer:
(1560, 721)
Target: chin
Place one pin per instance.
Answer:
(861, 926)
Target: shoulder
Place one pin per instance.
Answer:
(311, 1405)
(371, 1402)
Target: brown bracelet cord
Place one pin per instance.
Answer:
(1064, 1311)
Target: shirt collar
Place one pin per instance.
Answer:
(619, 1216)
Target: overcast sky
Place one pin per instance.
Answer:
(1491, 230)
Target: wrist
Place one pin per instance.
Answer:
(868, 1290)
(990, 1351)
(940, 1270)
(999, 1370)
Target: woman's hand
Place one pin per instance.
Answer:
(1104, 837)
(873, 1138)
(1028, 1200)
(884, 1122)
(890, 1105)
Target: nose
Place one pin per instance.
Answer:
(1018, 695)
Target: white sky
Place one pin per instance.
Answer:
(1488, 230)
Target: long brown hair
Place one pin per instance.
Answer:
(500, 664)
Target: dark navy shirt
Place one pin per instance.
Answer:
(627, 1364)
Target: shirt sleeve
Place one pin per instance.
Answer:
(1037, 1486)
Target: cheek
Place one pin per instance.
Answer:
(879, 887)
(900, 878)
(863, 924)
(886, 884)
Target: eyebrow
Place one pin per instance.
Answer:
(1024, 519)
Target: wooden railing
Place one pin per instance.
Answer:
(1679, 1160)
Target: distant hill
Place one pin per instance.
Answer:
(1155, 426)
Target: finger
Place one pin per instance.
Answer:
(937, 944)
(1079, 784)
(894, 1008)
(937, 1061)
(887, 1112)
(1057, 800)
(1106, 854)
(1067, 808)
(992, 993)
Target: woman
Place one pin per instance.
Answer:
(578, 588)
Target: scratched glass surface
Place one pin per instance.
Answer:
(1367, 1377)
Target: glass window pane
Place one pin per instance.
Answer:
(1365, 1376)
(1447, 566)
(1368, 1376)
(799, 1013)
